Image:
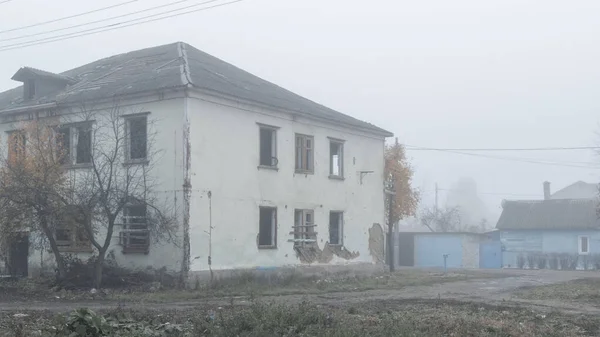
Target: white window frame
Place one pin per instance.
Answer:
(74, 141)
(304, 156)
(274, 158)
(580, 245)
(340, 143)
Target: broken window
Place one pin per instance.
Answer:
(135, 236)
(63, 140)
(137, 138)
(16, 147)
(268, 146)
(84, 145)
(336, 158)
(267, 231)
(304, 227)
(70, 233)
(304, 154)
(336, 223)
(584, 243)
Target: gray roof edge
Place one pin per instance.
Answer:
(186, 78)
(374, 130)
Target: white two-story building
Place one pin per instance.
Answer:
(261, 177)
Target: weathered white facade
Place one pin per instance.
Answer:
(209, 160)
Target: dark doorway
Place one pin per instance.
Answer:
(18, 255)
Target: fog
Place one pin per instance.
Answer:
(438, 74)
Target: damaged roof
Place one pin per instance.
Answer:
(549, 214)
(175, 65)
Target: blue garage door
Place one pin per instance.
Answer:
(490, 254)
(430, 250)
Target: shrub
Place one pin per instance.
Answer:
(585, 262)
(568, 261)
(541, 260)
(531, 259)
(553, 261)
(596, 261)
(521, 261)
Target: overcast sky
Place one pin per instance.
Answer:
(440, 74)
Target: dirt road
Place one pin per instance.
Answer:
(486, 291)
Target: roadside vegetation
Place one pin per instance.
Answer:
(585, 290)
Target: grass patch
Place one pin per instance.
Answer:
(254, 285)
(261, 319)
(583, 290)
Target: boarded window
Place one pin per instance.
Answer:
(304, 227)
(84, 145)
(268, 146)
(70, 232)
(137, 138)
(267, 232)
(304, 154)
(336, 223)
(16, 146)
(336, 163)
(135, 236)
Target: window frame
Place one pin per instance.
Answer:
(128, 148)
(306, 164)
(306, 231)
(273, 215)
(340, 143)
(129, 227)
(13, 153)
(580, 245)
(340, 226)
(75, 243)
(73, 144)
(274, 158)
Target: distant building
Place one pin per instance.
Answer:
(564, 222)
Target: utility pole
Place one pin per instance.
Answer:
(436, 198)
(390, 242)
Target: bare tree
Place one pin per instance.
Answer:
(444, 220)
(32, 184)
(116, 186)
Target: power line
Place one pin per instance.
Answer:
(66, 17)
(108, 28)
(508, 149)
(523, 160)
(107, 19)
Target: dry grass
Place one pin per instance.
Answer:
(582, 290)
(379, 319)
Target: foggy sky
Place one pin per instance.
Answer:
(442, 74)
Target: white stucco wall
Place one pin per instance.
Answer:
(470, 251)
(166, 115)
(225, 155)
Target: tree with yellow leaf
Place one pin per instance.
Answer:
(403, 199)
(33, 185)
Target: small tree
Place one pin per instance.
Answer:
(403, 199)
(33, 184)
(119, 177)
(441, 220)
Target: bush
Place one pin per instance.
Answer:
(585, 262)
(531, 259)
(521, 261)
(553, 261)
(568, 261)
(541, 260)
(595, 259)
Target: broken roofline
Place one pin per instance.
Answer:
(185, 88)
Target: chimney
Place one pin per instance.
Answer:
(546, 190)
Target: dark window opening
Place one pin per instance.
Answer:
(268, 149)
(336, 163)
(29, 89)
(304, 153)
(336, 220)
(64, 145)
(138, 138)
(84, 145)
(267, 232)
(135, 237)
